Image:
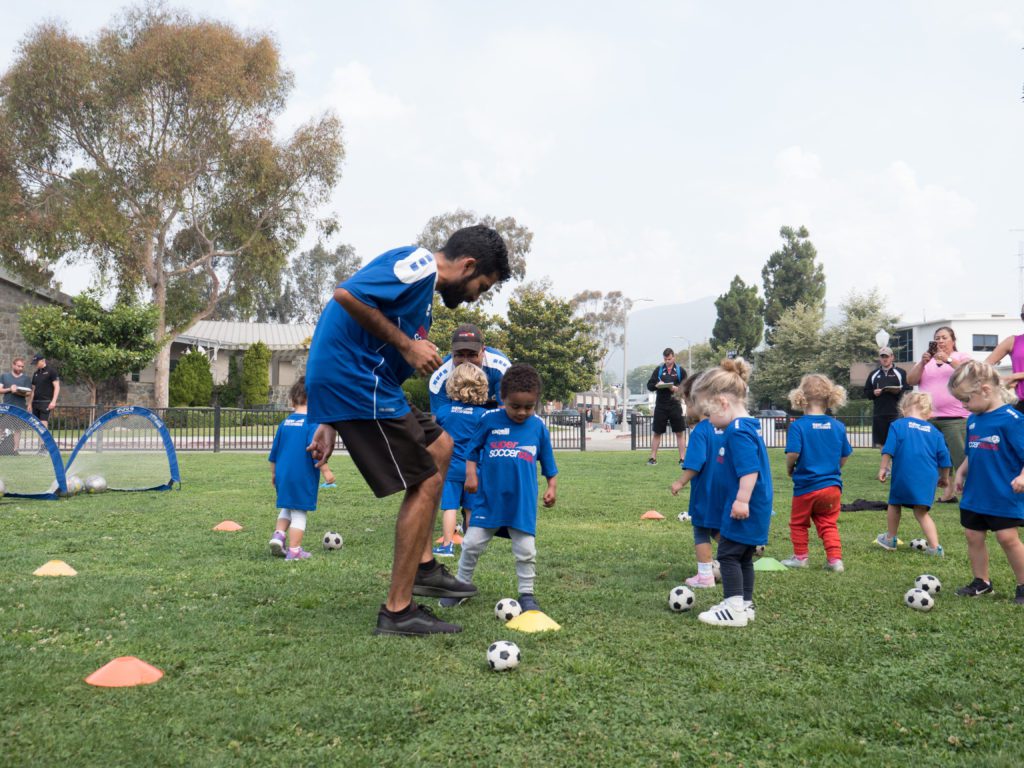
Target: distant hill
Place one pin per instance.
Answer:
(651, 329)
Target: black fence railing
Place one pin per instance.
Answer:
(773, 430)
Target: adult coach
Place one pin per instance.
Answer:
(45, 390)
(16, 385)
(884, 387)
(468, 347)
(667, 409)
(369, 339)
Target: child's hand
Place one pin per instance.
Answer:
(943, 482)
(676, 487)
(883, 475)
(472, 484)
(549, 497)
(740, 510)
(1017, 484)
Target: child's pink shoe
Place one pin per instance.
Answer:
(701, 582)
(297, 554)
(277, 547)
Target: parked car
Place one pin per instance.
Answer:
(781, 418)
(565, 418)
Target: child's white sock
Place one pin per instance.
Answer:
(705, 569)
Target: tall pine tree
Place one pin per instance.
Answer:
(740, 318)
(791, 276)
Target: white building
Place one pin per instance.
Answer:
(977, 334)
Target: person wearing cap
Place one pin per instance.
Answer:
(468, 347)
(884, 387)
(45, 390)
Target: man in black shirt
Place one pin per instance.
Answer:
(885, 386)
(665, 381)
(45, 390)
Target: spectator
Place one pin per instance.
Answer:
(884, 387)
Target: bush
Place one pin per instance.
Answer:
(190, 383)
(230, 392)
(256, 375)
(416, 393)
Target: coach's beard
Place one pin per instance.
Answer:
(455, 294)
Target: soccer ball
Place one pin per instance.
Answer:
(919, 544)
(684, 517)
(928, 583)
(3, 488)
(759, 550)
(333, 540)
(716, 570)
(75, 485)
(681, 599)
(503, 655)
(507, 609)
(919, 600)
(95, 484)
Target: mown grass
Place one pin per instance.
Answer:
(273, 663)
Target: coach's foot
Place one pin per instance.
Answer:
(435, 580)
(1019, 599)
(414, 621)
(976, 588)
(652, 462)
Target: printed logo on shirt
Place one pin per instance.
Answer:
(920, 427)
(502, 431)
(416, 266)
(462, 409)
(510, 449)
(988, 443)
(821, 425)
(721, 455)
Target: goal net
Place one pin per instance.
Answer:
(30, 462)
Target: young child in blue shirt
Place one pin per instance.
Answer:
(501, 468)
(459, 415)
(705, 502)
(916, 459)
(294, 474)
(746, 478)
(991, 478)
(816, 450)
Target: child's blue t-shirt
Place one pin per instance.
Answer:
(995, 455)
(353, 375)
(821, 442)
(507, 455)
(296, 477)
(705, 493)
(459, 420)
(918, 451)
(494, 366)
(742, 453)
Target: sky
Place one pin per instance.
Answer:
(657, 147)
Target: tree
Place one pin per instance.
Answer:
(740, 319)
(191, 382)
(150, 150)
(797, 350)
(791, 276)
(445, 321)
(852, 339)
(638, 377)
(256, 375)
(518, 239)
(605, 316)
(88, 343)
(543, 332)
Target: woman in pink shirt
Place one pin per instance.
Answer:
(931, 374)
(1014, 347)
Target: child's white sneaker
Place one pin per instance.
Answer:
(751, 609)
(795, 562)
(836, 566)
(731, 612)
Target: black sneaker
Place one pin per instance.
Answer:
(652, 462)
(1019, 599)
(419, 621)
(439, 582)
(975, 588)
(528, 602)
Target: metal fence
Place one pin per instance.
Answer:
(773, 430)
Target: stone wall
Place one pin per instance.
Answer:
(12, 343)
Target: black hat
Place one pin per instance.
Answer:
(467, 336)
(37, 357)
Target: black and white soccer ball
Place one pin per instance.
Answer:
(919, 600)
(684, 517)
(502, 655)
(95, 484)
(333, 540)
(919, 544)
(716, 570)
(928, 583)
(681, 598)
(507, 609)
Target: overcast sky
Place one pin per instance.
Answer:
(657, 147)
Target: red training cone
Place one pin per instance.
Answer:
(227, 525)
(124, 672)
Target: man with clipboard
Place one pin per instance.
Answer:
(884, 387)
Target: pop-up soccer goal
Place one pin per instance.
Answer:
(30, 463)
(130, 448)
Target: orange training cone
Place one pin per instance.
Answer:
(227, 525)
(55, 568)
(651, 514)
(456, 539)
(123, 672)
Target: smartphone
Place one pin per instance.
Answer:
(933, 347)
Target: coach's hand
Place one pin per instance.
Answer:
(323, 444)
(422, 355)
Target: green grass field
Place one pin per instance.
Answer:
(273, 663)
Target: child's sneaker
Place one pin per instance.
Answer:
(328, 485)
(1019, 599)
(705, 581)
(935, 551)
(528, 602)
(885, 541)
(451, 602)
(795, 562)
(751, 609)
(835, 565)
(726, 614)
(445, 550)
(297, 554)
(277, 546)
(976, 588)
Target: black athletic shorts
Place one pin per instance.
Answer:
(663, 416)
(880, 428)
(391, 454)
(43, 411)
(973, 521)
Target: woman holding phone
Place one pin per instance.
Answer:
(931, 374)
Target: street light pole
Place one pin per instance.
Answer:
(689, 354)
(625, 368)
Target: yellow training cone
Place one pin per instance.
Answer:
(533, 621)
(652, 514)
(55, 568)
(227, 525)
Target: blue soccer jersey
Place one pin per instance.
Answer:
(351, 374)
(705, 491)
(494, 366)
(296, 476)
(508, 454)
(821, 442)
(459, 420)
(918, 451)
(995, 455)
(742, 453)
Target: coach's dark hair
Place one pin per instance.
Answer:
(483, 244)
(668, 351)
(520, 377)
(297, 394)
